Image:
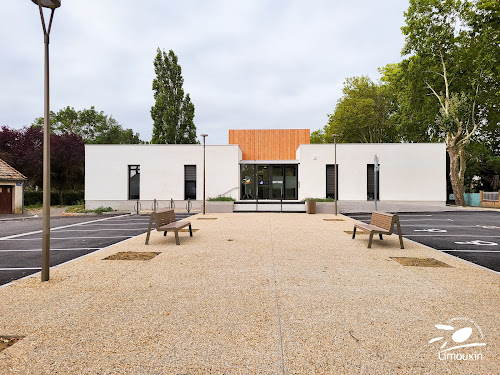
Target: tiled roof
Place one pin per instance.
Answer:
(9, 173)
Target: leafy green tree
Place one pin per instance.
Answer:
(483, 168)
(362, 115)
(173, 113)
(318, 136)
(91, 125)
(454, 49)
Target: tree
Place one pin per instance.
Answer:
(456, 46)
(92, 126)
(483, 168)
(173, 112)
(362, 115)
(23, 150)
(67, 163)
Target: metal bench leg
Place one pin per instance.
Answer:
(190, 231)
(380, 236)
(400, 236)
(370, 240)
(177, 236)
(165, 234)
(354, 233)
(149, 229)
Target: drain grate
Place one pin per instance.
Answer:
(419, 262)
(6, 341)
(333, 219)
(206, 218)
(132, 255)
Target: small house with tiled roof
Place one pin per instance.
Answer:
(11, 189)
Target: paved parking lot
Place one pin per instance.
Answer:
(72, 237)
(470, 235)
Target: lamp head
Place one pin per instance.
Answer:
(52, 4)
(204, 135)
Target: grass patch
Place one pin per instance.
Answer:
(419, 262)
(33, 206)
(80, 209)
(132, 255)
(221, 199)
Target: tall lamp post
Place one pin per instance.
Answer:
(52, 5)
(335, 170)
(204, 174)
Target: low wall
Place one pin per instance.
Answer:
(489, 203)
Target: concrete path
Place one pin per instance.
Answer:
(256, 293)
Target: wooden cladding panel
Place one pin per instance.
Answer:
(269, 144)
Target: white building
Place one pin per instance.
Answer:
(263, 165)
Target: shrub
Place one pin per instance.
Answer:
(221, 199)
(319, 199)
(70, 198)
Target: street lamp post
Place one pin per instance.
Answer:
(52, 5)
(204, 175)
(335, 171)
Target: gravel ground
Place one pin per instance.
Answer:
(252, 293)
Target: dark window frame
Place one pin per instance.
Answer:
(370, 196)
(137, 168)
(336, 182)
(189, 182)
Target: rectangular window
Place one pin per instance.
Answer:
(330, 180)
(370, 181)
(134, 181)
(190, 182)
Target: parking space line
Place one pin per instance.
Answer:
(20, 269)
(99, 230)
(63, 238)
(448, 235)
(52, 229)
(472, 251)
(448, 226)
(107, 224)
(69, 249)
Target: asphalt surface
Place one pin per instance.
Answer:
(71, 237)
(470, 235)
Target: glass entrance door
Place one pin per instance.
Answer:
(263, 181)
(277, 182)
(291, 182)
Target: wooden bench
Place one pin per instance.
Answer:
(381, 223)
(165, 221)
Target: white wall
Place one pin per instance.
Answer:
(408, 172)
(162, 171)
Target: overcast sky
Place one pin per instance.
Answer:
(247, 64)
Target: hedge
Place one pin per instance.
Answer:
(70, 198)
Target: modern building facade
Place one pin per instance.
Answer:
(262, 165)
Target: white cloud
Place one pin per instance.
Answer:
(252, 64)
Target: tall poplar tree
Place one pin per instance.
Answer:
(173, 111)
